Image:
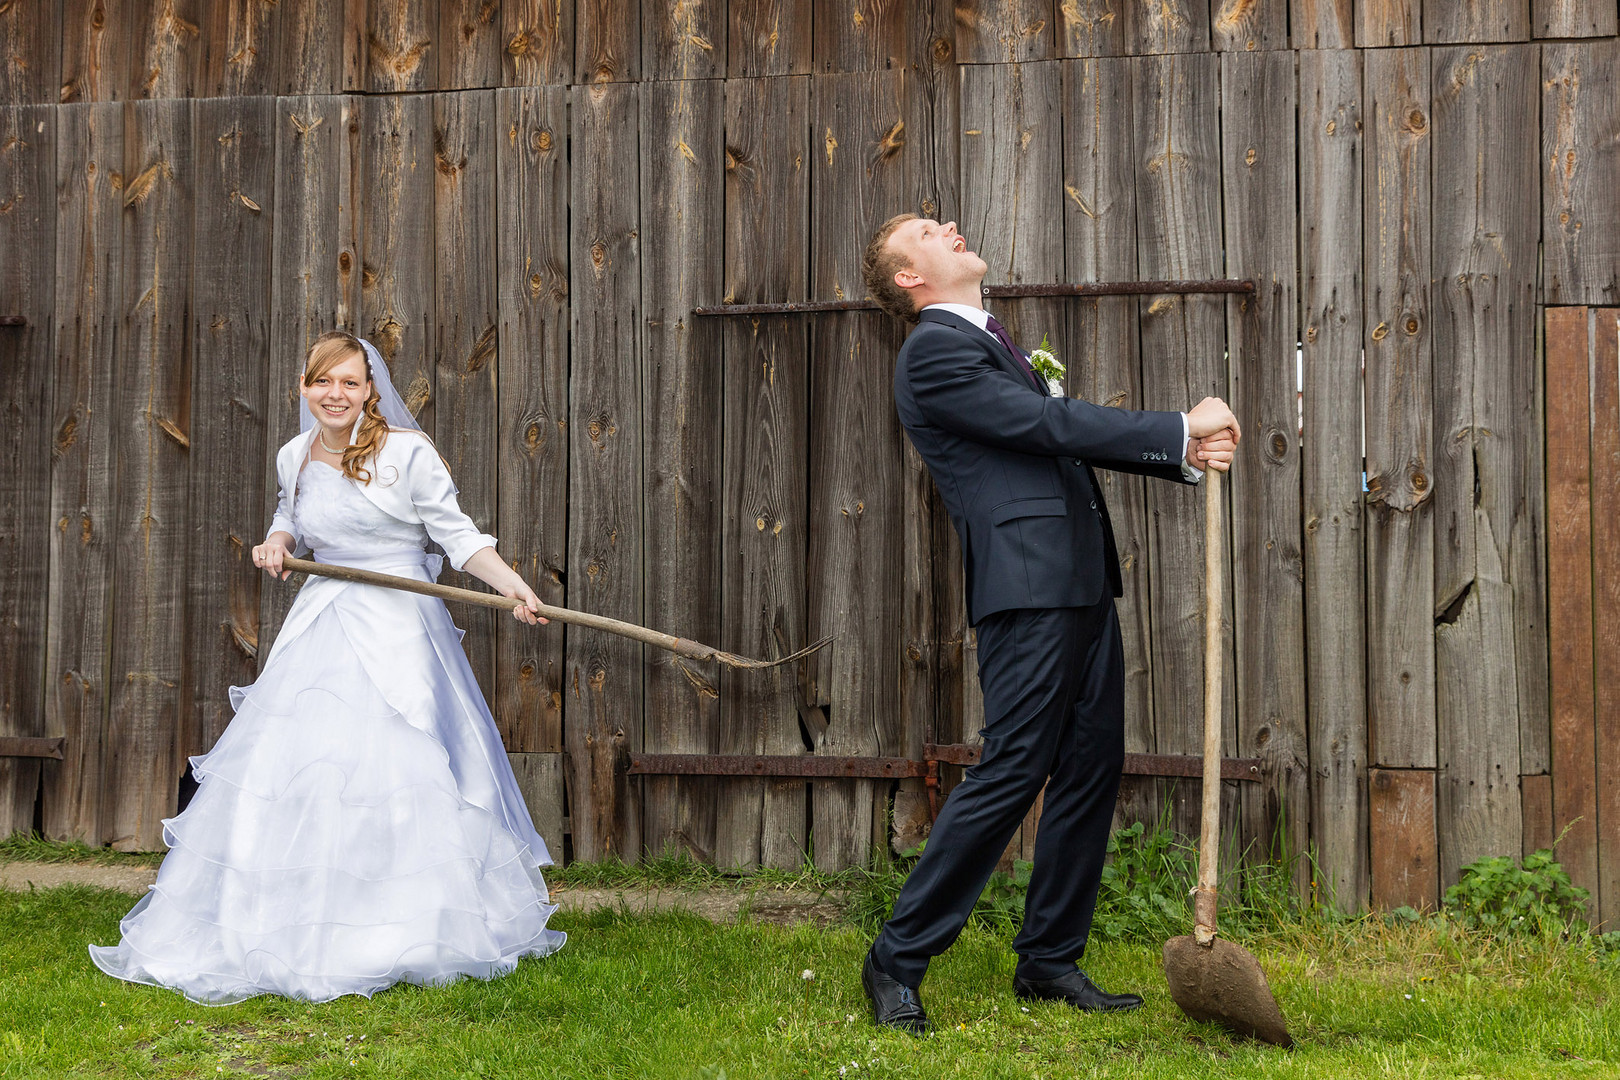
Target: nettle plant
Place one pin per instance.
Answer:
(1504, 898)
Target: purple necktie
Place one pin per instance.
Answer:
(1005, 338)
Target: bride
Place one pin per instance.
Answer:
(358, 823)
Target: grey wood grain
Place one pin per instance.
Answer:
(95, 50)
(537, 43)
(470, 44)
(31, 53)
(607, 41)
(768, 37)
(402, 54)
(1580, 150)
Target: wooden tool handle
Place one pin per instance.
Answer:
(692, 650)
(1209, 826)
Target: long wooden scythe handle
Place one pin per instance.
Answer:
(692, 650)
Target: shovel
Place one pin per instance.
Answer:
(1212, 979)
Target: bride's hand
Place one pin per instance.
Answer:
(269, 555)
(531, 604)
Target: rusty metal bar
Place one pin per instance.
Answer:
(17, 746)
(996, 292)
(13, 320)
(880, 768)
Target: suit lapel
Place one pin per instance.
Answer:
(991, 344)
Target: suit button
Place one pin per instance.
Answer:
(1094, 504)
(1077, 461)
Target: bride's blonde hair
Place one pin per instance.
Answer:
(329, 350)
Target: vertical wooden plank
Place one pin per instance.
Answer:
(537, 47)
(604, 678)
(1012, 177)
(1005, 31)
(27, 288)
(1093, 27)
(1606, 600)
(397, 270)
(865, 171)
(1330, 161)
(1536, 790)
(310, 44)
(1249, 25)
(1399, 411)
(31, 53)
(1099, 220)
(152, 444)
(237, 49)
(1178, 199)
(1384, 23)
(470, 44)
(531, 162)
(1469, 21)
(1572, 18)
(1484, 335)
(1322, 24)
(315, 270)
(871, 35)
(1580, 146)
(165, 43)
(95, 50)
(1570, 597)
(685, 39)
(1258, 147)
(84, 412)
(234, 151)
(1170, 26)
(682, 210)
(608, 41)
(765, 468)
(540, 779)
(1405, 869)
(767, 37)
(465, 320)
(401, 53)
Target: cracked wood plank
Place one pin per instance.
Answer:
(150, 523)
(603, 692)
(1399, 410)
(1487, 431)
(83, 416)
(234, 150)
(1259, 153)
(531, 162)
(28, 135)
(465, 355)
(765, 466)
(1330, 163)
(682, 158)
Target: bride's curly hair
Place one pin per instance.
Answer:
(330, 349)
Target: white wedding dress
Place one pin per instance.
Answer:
(358, 823)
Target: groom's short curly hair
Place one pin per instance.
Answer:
(879, 265)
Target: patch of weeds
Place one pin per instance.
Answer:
(1500, 897)
(32, 847)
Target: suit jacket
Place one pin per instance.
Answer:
(1013, 466)
(409, 481)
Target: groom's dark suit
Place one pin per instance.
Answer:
(1013, 466)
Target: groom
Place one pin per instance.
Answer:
(1013, 461)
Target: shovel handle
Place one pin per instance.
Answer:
(1209, 826)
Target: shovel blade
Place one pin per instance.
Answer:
(1222, 983)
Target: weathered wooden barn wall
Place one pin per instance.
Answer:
(522, 202)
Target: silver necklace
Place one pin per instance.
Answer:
(321, 435)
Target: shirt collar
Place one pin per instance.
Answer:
(975, 315)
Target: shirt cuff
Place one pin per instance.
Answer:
(1188, 472)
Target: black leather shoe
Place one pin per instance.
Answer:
(1078, 990)
(894, 1005)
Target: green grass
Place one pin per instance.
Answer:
(671, 995)
(31, 847)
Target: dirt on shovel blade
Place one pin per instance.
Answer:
(1223, 984)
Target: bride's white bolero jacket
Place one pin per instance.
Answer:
(409, 481)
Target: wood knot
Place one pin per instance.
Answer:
(345, 261)
(542, 141)
(1416, 122)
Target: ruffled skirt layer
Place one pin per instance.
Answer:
(337, 845)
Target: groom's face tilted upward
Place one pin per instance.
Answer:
(912, 262)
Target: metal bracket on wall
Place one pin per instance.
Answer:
(15, 746)
(1093, 288)
(815, 766)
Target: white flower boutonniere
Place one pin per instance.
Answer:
(1046, 365)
